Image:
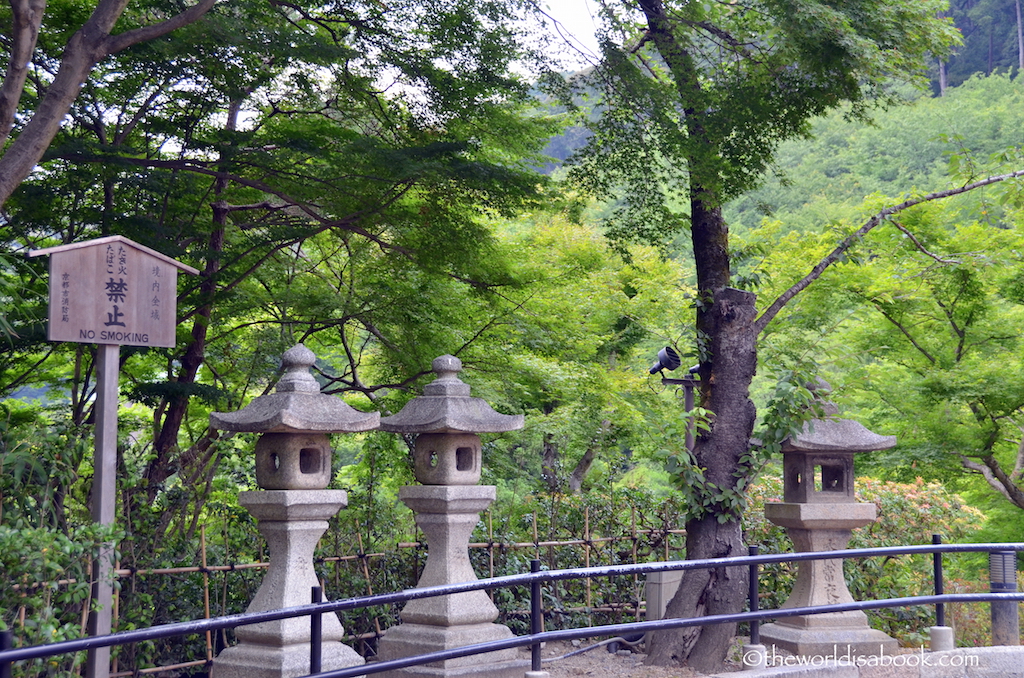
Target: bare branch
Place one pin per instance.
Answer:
(917, 243)
(773, 309)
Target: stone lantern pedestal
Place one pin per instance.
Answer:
(819, 512)
(447, 516)
(447, 459)
(293, 465)
(292, 522)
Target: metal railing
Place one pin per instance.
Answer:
(535, 580)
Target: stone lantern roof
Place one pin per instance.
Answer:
(297, 406)
(837, 435)
(446, 407)
(831, 434)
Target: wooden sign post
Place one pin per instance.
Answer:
(109, 291)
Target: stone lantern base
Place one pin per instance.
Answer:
(836, 638)
(292, 521)
(409, 640)
(447, 515)
(823, 527)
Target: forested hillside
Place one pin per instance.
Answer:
(919, 327)
(903, 149)
(993, 40)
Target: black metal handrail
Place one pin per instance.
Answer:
(533, 579)
(660, 625)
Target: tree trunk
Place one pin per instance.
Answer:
(26, 19)
(733, 361)
(167, 459)
(579, 473)
(1020, 37)
(727, 339)
(84, 50)
(704, 592)
(549, 463)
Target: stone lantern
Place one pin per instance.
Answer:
(819, 512)
(293, 465)
(447, 459)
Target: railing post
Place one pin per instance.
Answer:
(755, 655)
(6, 643)
(536, 616)
(1002, 568)
(316, 633)
(753, 593)
(940, 608)
(940, 636)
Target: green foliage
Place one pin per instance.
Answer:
(693, 104)
(40, 464)
(46, 595)
(990, 43)
(823, 179)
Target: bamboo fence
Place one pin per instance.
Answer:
(590, 549)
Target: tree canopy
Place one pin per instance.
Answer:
(367, 180)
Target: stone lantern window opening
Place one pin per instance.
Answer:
(447, 458)
(464, 460)
(811, 478)
(829, 478)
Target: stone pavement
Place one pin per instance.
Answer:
(977, 662)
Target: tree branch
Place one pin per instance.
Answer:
(917, 243)
(91, 43)
(26, 19)
(116, 43)
(773, 309)
(996, 478)
(906, 333)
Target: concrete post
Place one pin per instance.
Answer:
(1002, 568)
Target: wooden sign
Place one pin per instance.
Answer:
(112, 291)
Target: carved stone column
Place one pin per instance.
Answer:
(447, 507)
(293, 465)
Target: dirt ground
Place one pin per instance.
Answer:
(600, 663)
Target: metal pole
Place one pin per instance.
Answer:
(6, 643)
(536, 616)
(104, 492)
(1002, 567)
(316, 634)
(688, 404)
(940, 608)
(752, 594)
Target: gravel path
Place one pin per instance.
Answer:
(599, 663)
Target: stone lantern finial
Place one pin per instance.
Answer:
(447, 368)
(297, 362)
